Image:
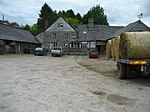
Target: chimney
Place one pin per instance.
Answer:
(91, 23)
(46, 24)
(12, 25)
(3, 18)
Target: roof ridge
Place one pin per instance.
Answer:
(133, 24)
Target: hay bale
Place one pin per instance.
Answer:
(134, 45)
(108, 49)
(116, 46)
(113, 48)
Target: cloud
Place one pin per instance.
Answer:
(20, 10)
(124, 12)
(145, 8)
(119, 12)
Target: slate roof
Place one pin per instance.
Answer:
(54, 26)
(99, 32)
(128, 28)
(40, 37)
(19, 35)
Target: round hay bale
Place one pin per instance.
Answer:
(116, 47)
(134, 45)
(108, 49)
(113, 48)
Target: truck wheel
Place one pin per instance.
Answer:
(122, 71)
(128, 71)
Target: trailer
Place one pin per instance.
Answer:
(131, 52)
(126, 66)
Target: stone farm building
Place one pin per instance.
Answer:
(14, 41)
(83, 38)
(76, 38)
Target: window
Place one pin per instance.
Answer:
(54, 35)
(83, 45)
(73, 34)
(54, 44)
(60, 25)
(66, 36)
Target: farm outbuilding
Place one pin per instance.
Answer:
(14, 41)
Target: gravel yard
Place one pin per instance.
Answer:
(68, 84)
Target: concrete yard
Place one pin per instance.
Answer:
(68, 84)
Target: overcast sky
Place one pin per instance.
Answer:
(119, 12)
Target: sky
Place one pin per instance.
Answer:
(119, 12)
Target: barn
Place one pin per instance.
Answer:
(14, 40)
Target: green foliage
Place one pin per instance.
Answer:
(35, 29)
(70, 14)
(72, 21)
(97, 13)
(78, 16)
(70, 17)
(26, 27)
(46, 17)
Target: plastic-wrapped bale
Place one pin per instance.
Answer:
(134, 45)
(108, 49)
(113, 48)
(116, 46)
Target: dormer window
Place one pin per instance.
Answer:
(60, 25)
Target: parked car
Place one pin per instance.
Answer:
(40, 51)
(57, 51)
(93, 54)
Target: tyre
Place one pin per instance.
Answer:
(122, 70)
(128, 71)
(148, 74)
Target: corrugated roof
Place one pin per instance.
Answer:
(7, 33)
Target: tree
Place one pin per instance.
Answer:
(35, 29)
(97, 13)
(78, 16)
(72, 21)
(46, 17)
(26, 27)
(70, 17)
(61, 14)
(70, 14)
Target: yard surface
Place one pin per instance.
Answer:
(68, 84)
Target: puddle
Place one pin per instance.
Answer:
(2, 108)
(101, 93)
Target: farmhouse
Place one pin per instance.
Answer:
(77, 38)
(83, 38)
(13, 40)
